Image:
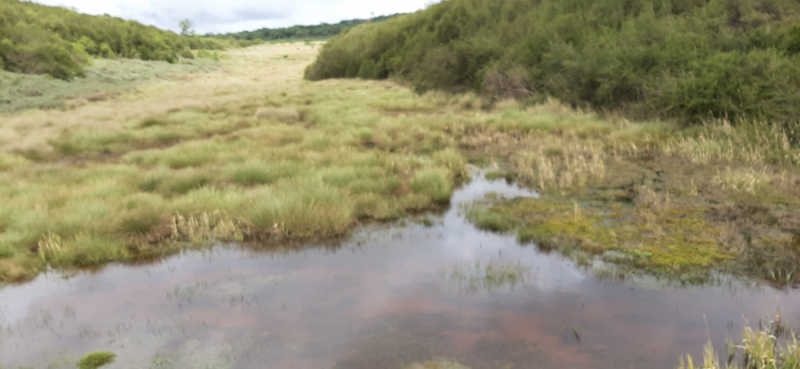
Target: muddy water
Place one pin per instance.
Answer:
(384, 298)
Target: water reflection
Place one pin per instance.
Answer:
(384, 298)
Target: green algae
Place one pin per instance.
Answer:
(668, 242)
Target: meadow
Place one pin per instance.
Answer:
(252, 152)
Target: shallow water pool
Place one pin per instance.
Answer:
(384, 298)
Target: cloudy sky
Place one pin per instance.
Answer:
(220, 16)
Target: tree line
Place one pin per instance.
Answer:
(320, 31)
(39, 39)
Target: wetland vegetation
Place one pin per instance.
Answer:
(660, 136)
(255, 153)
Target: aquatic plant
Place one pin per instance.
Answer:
(760, 349)
(96, 360)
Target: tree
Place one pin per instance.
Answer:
(186, 27)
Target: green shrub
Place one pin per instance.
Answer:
(96, 360)
(186, 54)
(692, 60)
(39, 39)
(207, 55)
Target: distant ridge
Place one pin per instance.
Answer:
(319, 31)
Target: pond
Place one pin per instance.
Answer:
(385, 297)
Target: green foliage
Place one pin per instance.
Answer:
(320, 31)
(96, 360)
(38, 39)
(692, 60)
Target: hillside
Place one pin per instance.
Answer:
(688, 59)
(319, 31)
(38, 39)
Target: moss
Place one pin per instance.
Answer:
(96, 360)
(492, 220)
(676, 241)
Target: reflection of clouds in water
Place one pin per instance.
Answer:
(17, 300)
(479, 186)
(463, 242)
(491, 275)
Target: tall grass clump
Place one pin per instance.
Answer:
(686, 59)
(300, 208)
(436, 183)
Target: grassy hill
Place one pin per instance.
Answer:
(688, 59)
(38, 39)
(320, 31)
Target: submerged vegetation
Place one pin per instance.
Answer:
(39, 39)
(685, 59)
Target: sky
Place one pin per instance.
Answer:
(222, 16)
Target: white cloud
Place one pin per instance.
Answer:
(239, 15)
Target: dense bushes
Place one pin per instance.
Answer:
(57, 41)
(689, 59)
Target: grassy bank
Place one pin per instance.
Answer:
(250, 151)
(647, 196)
(103, 80)
(689, 60)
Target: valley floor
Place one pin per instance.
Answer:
(252, 152)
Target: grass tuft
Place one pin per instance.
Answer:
(303, 207)
(435, 183)
(96, 360)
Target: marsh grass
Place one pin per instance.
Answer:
(302, 208)
(673, 201)
(766, 348)
(188, 160)
(435, 183)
